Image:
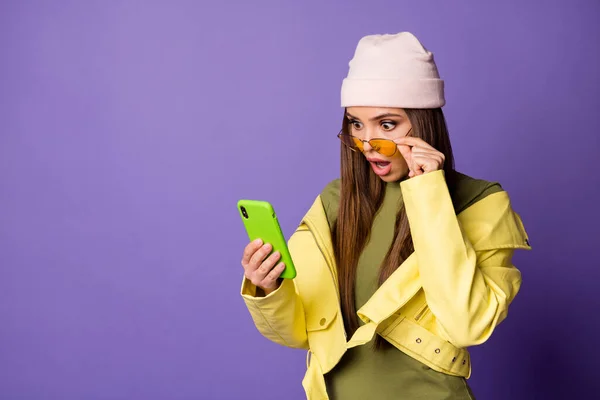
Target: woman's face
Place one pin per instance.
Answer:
(368, 123)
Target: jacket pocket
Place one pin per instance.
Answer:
(317, 321)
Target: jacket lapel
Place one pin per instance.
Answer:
(316, 221)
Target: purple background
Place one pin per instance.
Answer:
(129, 129)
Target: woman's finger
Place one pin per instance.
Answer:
(419, 157)
(266, 266)
(424, 150)
(423, 157)
(249, 251)
(428, 163)
(259, 256)
(270, 280)
(412, 141)
(406, 152)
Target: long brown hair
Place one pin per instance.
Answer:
(361, 195)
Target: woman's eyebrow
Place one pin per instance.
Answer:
(378, 117)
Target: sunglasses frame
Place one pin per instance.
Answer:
(341, 134)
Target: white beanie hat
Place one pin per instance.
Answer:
(392, 71)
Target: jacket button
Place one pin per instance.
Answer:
(322, 321)
(437, 351)
(464, 362)
(453, 359)
(418, 340)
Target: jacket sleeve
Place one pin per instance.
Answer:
(468, 291)
(279, 316)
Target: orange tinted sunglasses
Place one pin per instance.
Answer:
(385, 147)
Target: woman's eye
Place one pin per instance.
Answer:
(356, 125)
(388, 126)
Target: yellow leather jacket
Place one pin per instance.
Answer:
(448, 295)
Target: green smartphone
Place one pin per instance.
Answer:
(261, 222)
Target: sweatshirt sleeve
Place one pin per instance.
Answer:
(468, 291)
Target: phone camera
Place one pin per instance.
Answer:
(244, 212)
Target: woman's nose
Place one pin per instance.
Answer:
(366, 147)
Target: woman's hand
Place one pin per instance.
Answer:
(420, 157)
(259, 269)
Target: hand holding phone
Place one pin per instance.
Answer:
(266, 258)
(262, 268)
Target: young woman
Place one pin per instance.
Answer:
(403, 262)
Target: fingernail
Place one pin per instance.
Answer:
(276, 254)
(258, 241)
(267, 246)
(281, 266)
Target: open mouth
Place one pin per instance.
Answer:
(380, 167)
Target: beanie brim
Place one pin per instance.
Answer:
(421, 93)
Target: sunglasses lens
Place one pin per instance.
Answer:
(384, 147)
(357, 144)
